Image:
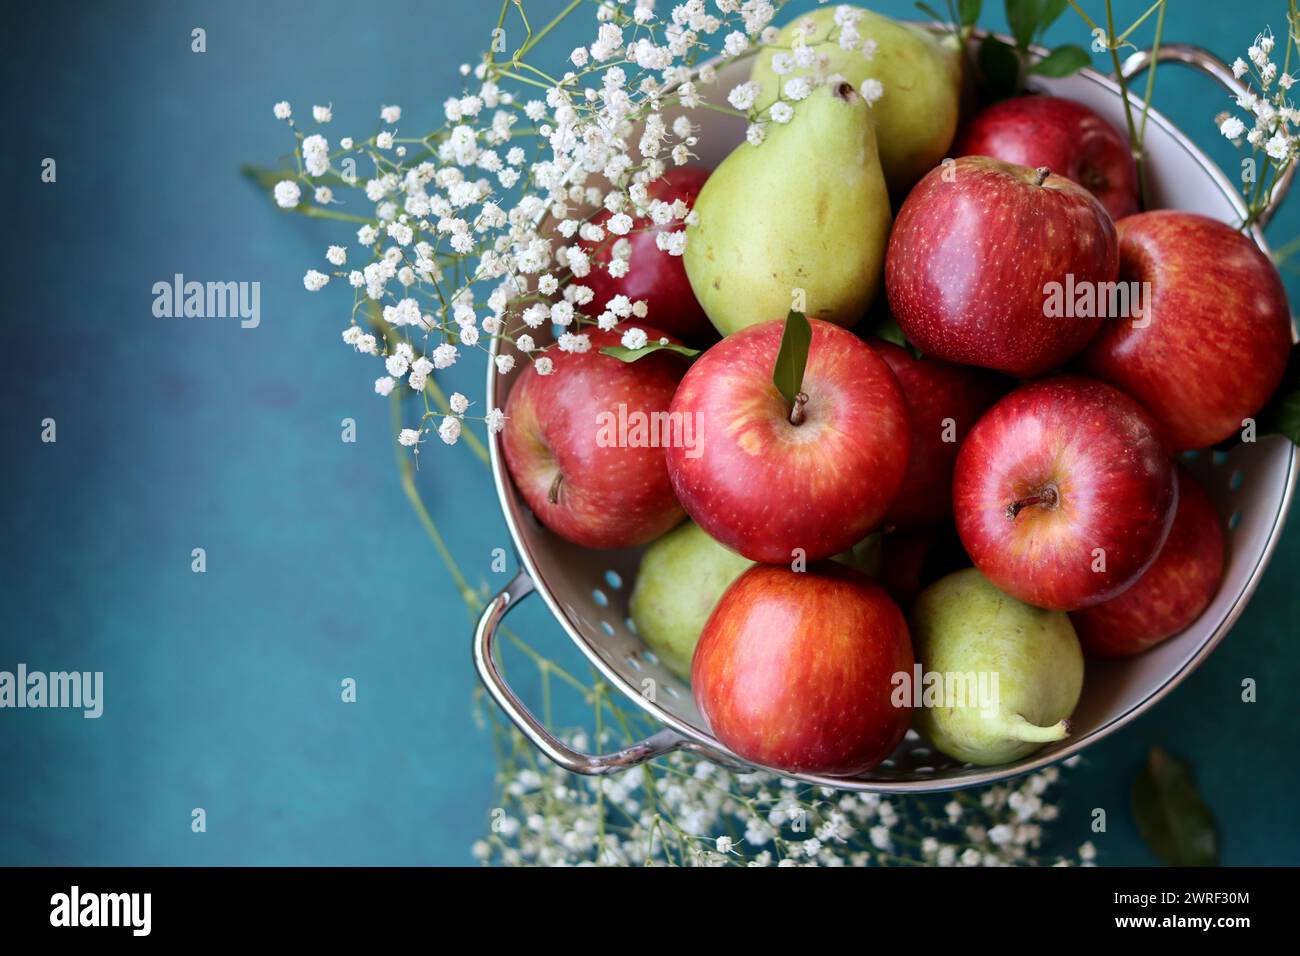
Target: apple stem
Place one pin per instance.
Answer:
(1041, 174)
(1018, 728)
(797, 412)
(1046, 497)
(553, 496)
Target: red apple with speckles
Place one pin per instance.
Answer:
(1172, 593)
(974, 253)
(1212, 342)
(794, 670)
(1067, 137)
(654, 275)
(1063, 493)
(943, 403)
(562, 444)
(773, 481)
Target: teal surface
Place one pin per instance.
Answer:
(222, 689)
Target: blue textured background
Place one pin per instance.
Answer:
(222, 689)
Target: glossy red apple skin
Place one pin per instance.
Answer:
(1067, 137)
(1098, 450)
(655, 276)
(1172, 593)
(608, 497)
(794, 670)
(1217, 329)
(972, 252)
(765, 487)
(943, 401)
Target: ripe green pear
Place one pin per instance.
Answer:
(920, 72)
(799, 222)
(682, 576)
(962, 624)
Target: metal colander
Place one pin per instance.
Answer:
(587, 591)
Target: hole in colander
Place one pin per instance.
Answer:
(887, 764)
(923, 770)
(671, 691)
(650, 656)
(1238, 478)
(613, 579)
(600, 598)
(1234, 521)
(920, 751)
(1218, 457)
(607, 628)
(1190, 455)
(632, 662)
(631, 625)
(911, 735)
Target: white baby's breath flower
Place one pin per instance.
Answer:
(322, 114)
(781, 112)
(287, 194)
(315, 281)
(282, 110)
(384, 385)
(408, 437)
(872, 90)
(390, 114)
(634, 339)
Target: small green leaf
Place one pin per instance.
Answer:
(1023, 18)
(888, 330)
(1171, 816)
(930, 12)
(1000, 66)
(625, 354)
(1281, 416)
(1062, 61)
(793, 356)
(1286, 416)
(968, 11)
(1052, 10)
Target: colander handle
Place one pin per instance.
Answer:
(1209, 64)
(656, 745)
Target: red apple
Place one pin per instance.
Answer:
(794, 670)
(768, 479)
(1212, 341)
(974, 254)
(1063, 493)
(943, 402)
(654, 275)
(1174, 590)
(587, 479)
(1067, 137)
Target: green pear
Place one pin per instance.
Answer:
(799, 221)
(681, 579)
(963, 625)
(919, 72)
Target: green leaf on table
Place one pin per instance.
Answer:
(968, 11)
(1062, 61)
(1171, 816)
(1281, 416)
(1000, 66)
(1023, 17)
(1286, 416)
(793, 356)
(625, 354)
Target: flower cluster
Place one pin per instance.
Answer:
(686, 811)
(479, 234)
(1272, 126)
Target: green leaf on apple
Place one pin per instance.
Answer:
(968, 11)
(625, 354)
(793, 356)
(1062, 61)
(1171, 816)
(1000, 65)
(887, 329)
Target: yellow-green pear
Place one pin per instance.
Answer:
(1008, 675)
(799, 221)
(919, 73)
(682, 576)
